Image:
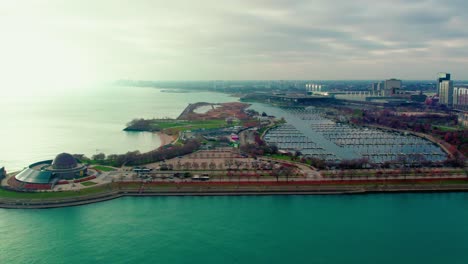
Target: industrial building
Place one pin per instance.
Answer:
(392, 87)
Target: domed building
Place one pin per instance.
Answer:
(64, 166)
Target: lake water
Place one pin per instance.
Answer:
(88, 121)
(399, 228)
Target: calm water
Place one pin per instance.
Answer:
(87, 121)
(406, 228)
(403, 228)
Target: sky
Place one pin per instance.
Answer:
(55, 41)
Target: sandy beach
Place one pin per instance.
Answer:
(165, 138)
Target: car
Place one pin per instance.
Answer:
(204, 178)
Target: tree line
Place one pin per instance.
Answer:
(133, 158)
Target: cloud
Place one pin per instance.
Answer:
(248, 39)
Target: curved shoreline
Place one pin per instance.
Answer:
(324, 190)
(165, 139)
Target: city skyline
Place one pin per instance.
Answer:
(154, 40)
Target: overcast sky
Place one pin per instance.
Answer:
(242, 39)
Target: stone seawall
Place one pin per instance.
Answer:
(219, 191)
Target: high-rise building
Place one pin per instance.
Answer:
(446, 93)
(392, 87)
(460, 97)
(441, 76)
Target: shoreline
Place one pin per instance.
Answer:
(13, 203)
(165, 138)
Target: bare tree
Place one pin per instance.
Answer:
(178, 165)
(238, 164)
(204, 165)
(228, 163)
(275, 174)
(187, 165)
(212, 165)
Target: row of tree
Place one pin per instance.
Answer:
(136, 158)
(429, 123)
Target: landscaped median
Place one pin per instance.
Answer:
(10, 199)
(103, 168)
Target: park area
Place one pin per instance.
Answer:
(173, 127)
(198, 116)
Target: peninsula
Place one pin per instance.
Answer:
(223, 149)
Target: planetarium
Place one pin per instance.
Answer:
(63, 167)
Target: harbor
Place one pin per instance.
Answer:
(377, 145)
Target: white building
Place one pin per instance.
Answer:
(446, 93)
(441, 76)
(460, 97)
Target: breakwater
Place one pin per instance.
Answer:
(225, 189)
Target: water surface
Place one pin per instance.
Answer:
(87, 121)
(401, 228)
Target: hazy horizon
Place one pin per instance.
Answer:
(47, 44)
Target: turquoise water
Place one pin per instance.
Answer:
(85, 121)
(401, 228)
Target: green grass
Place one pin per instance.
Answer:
(101, 162)
(88, 183)
(281, 157)
(446, 128)
(103, 168)
(51, 195)
(180, 125)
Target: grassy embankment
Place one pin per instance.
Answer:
(200, 186)
(174, 126)
(103, 168)
(447, 128)
(50, 195)
(280, 157)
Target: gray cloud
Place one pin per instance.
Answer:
(254, 39)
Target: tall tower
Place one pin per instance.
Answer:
(441, 76)
(446, 92)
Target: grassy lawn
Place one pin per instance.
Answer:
(281, 157)
(51, 195)
(446, 128)
(103, 168)
(88, 183)
(180, 125)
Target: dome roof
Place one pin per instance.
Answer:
(64, 161)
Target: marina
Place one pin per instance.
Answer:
(377, 145)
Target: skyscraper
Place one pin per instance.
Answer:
(460, 97)
(446, 92)
(441, 76)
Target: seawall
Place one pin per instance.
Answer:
(220, 191)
